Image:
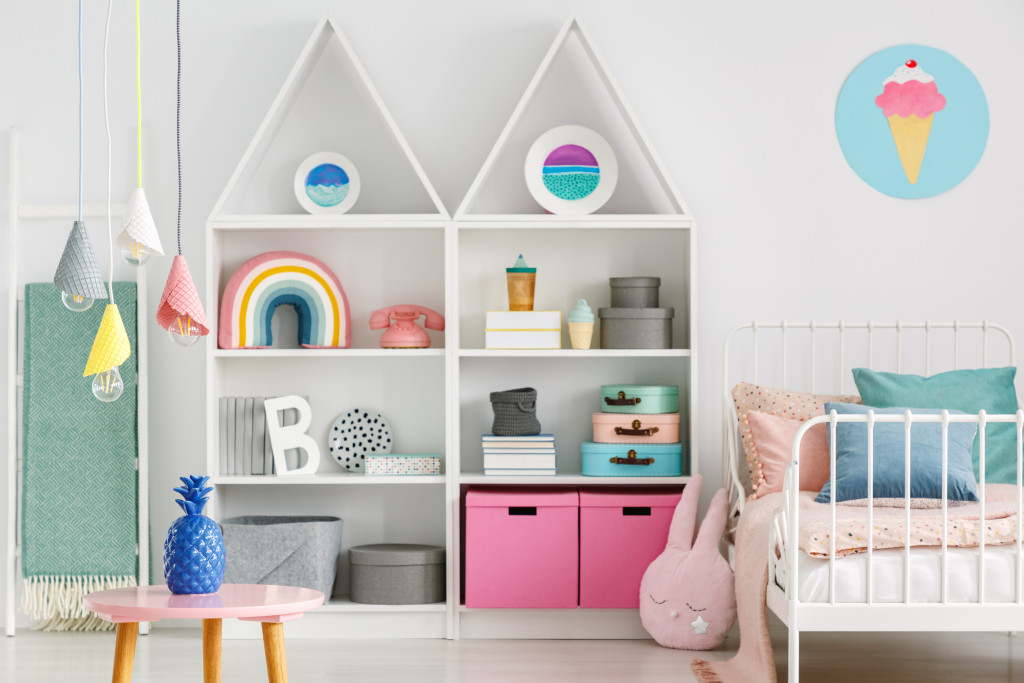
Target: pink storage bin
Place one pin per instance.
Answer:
(621, 532)
(522, 547)
(636, 428)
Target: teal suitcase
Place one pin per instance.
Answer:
(639, 398)
(632, 459)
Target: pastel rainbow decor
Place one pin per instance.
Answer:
(277, 278)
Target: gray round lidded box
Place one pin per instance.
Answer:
(636, 328)
(634, 292)
(397, 574)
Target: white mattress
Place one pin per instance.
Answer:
(925, 575)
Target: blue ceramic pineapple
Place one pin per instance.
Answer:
(194, 557)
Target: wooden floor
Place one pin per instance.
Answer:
(175, 655)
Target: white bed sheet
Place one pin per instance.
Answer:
(925, 575)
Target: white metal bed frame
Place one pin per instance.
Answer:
(16, 297)
(784, 600)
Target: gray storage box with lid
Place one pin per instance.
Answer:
(634, 292)
(636, 328)
(282, 550)
(397, 574)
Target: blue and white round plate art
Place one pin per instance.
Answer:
(326, 183)
(571, 170)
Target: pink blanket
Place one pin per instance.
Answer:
(754, 662)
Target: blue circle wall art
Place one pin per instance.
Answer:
(326, 183)
(912, 121)
(571, 170)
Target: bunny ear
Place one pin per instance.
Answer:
(713, 526)
(684, 520)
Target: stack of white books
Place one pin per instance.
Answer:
(518, 456)
(523, 330)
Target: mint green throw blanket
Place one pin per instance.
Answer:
(79, 492)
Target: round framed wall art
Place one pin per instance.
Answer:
(326, 183)
(571, 170)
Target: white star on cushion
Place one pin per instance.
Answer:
(699, 626)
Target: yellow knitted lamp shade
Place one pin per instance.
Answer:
(111, 347)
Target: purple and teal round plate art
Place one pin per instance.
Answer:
(571, 170)
(326, 183)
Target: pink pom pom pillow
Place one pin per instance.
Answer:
(771, 441)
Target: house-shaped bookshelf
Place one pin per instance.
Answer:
(572, 86)
(329, 103)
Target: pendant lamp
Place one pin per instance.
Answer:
(180, 311)
(138, 239)
(111, 346)
(78, 274)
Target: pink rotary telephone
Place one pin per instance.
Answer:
(405, 333)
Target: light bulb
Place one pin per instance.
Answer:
(135, 253)
(184, 331)
(76, 302)
(108, 386)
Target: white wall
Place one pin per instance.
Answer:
(737, 97)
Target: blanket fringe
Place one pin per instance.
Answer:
(704, 672)
(56, 601)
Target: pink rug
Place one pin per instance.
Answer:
(754, 662)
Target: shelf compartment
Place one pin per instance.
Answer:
(574, 353)
(477, 478)
(296, 221)
(329, 478)
(329, 353)
(587, 222)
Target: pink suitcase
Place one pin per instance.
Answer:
(522, 547)
(621, 532)
(636, 428)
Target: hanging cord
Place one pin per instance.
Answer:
(81, 116)
(177, 124)
(138, 86)
(106, 123)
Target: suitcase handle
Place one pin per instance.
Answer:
(622, 400)
(636, 430)
(631, 459)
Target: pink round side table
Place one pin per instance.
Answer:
(271, 605)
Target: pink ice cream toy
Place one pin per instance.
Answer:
(909, 101)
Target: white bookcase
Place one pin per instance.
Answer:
(399, 246)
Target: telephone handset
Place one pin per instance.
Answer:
(405, 333)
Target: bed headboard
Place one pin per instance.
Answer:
(818, 357)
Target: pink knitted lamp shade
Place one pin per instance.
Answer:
(180, 298)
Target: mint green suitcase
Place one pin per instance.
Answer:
(639, 398)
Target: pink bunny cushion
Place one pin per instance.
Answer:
(687, 600)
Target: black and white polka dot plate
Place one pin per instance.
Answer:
(357, 433)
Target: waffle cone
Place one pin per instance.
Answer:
(911, 137)
(138, 225)
(78, 271)
(181, 298)
(111, 347)
(580, 335)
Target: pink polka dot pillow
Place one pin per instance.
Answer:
(782, 403)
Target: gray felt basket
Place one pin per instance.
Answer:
(283, 551)
(515, 412)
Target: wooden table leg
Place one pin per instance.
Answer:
(124, 651)
(211, 650)
(273, 646)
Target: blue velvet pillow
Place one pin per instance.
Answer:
(989, 389)
(925, 458)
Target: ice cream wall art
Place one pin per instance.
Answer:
(326, 183)
(571, 170)
(912, 121)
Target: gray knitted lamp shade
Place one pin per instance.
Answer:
(78, 272)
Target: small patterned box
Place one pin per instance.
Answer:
(403, 464)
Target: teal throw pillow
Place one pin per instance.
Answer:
(889, 459)
(989, 389)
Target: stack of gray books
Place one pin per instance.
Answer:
(245, 447)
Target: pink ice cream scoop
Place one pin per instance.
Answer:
(909, 101)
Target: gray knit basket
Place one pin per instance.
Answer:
(515, 412)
